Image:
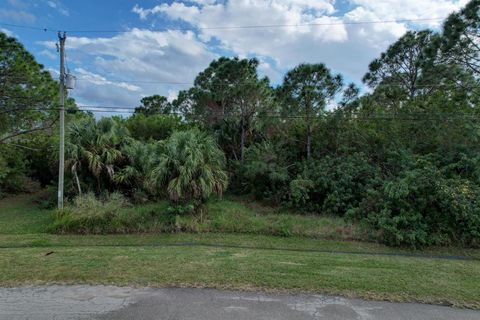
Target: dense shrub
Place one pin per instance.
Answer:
(263, 173)
(333, 185)
(140, 160)
(156, 127)
(422, 207)
(12, 170)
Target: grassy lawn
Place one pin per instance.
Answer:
(242, 261)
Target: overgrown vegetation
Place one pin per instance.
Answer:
(402, 160)
(228, 260)
(113, 214)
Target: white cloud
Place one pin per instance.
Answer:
(96, 90)
(267, 41)
(312, 31)
(267, 69)
(57, 5)
(411, 9)
(181, 10)
(49, 54)
(9, 33)
(334, 40)
(149, 59)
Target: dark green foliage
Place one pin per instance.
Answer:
(156, 127)
(190, 168)
(403, 159)
(28, 96)
(154, 105)
(333, 185)
(12, 170)
(27, 92)
(306, 91)
(181, 209)
(461, 35)
(93, 151)
(264, 173)
(401, 70)
(423, 206)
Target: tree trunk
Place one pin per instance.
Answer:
(242, 142)
(309, 132)
(309, 140)
(78, 181)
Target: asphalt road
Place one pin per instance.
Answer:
(103, 302)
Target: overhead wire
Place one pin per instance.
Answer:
(225, 27)
(414, 116)
(234, 85)
(126, 110)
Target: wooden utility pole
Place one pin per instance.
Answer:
(61, 164)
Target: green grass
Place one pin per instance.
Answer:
(227, 216)
(255, 259)
(224, 216)
(19, 215)
(392, 278)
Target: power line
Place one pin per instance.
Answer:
(10, 25)
(227, 27)
(266, 26)
(414, 116)
(233, 85)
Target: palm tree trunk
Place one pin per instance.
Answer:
(77, 180)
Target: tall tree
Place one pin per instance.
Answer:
(307, 89)
(28, 94)
(155, 104)
(461, 37)
(401, 71)
(229, 92)
(95, 147)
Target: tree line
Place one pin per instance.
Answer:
(402, 159)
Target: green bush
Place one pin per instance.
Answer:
(422, 207)
(333, 185)
(156, 127)
(263, 173)
(12, 170)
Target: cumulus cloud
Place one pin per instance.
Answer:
(280, 33)
(312, 30)
(265, 40)
(94, 89)
(141, 62)
(410, 9)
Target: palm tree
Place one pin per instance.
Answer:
(142, 159)
(95, 146)
(190, 167)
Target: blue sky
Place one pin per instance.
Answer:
(150, 55)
